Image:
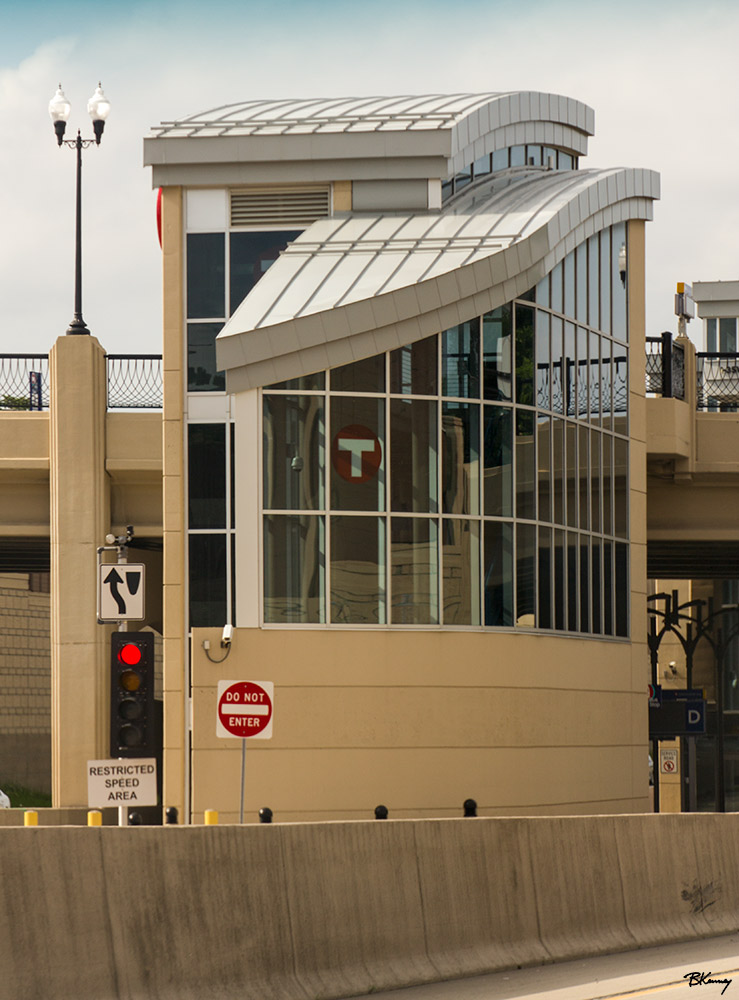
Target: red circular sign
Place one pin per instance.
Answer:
(244, 709)
(356, 453)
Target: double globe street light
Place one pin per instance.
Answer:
(98, 108)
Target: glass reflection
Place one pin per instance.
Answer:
(498, 458)
(605, 280)
(497, 350)
(498, 573)
(593, 279)
(413, 368)
(558, 380)
(524, 354)
(293, 452)
(569, 285)
(583, 373)
(357, 570)
(584, 480)
(526, 575)
(558, 469)
(460, 476)
(594, 378)
(571, 465)
(461, 571)
(206, 267)
(581, 278)
(294, 565)
(357, 453)
(544, 466)
(543, 376)
(545, 578)
(620, 389)
(460, 360)
(202, 374)
(367, 375)
(620, 488)
(414, 585)
(525, 465)
(618, 281)
(413, 459)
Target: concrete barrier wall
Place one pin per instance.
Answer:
(330, 910)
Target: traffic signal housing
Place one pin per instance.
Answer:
(133, 729)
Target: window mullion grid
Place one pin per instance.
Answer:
(388, 494)
(327, 504)
(229, 532)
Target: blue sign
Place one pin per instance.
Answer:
(695, 716)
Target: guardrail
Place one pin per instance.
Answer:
(24, 381)
(717, 382)
(134, 381)
(665, 369)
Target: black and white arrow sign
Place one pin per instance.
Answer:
(121, 592)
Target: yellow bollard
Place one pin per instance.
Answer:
(94, 818)
(211, 817)
(30, 817)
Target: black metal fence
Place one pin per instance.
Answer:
(717, 382)
(24, 381)
(134, 381)
(665, 371)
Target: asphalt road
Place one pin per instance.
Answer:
(651, 972)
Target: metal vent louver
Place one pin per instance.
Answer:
(279, 207)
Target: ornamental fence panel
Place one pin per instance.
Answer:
(134, 381)
(24, 381)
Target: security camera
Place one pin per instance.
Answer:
(226, 637)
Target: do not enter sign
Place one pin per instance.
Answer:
(245, 709)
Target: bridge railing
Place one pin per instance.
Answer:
(24, 381)
(134, 381)
(665, 369)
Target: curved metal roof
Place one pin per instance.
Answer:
(350, 287)
(430, 112)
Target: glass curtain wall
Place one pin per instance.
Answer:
(475, 478)
(221, 269)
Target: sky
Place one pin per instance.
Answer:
(662, 76)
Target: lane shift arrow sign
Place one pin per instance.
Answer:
(114, 578)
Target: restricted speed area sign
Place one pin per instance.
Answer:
(245, 709)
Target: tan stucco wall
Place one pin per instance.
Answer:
(173, 501)
(420, 721)
(638, 470)
(25, 683)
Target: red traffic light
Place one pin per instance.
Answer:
(130, 654)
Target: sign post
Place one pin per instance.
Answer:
(244, 711)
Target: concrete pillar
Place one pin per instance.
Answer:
(176, 674)
(80, 505)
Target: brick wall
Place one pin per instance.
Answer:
(25, 681)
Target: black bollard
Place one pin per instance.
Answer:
(170, 815)
(381, 812)
(470, 807)
(265, 815)
(134, 819)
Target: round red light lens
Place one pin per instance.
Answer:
(129, 654)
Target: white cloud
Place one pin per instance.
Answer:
(664, 89)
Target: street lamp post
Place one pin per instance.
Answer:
(98, 108)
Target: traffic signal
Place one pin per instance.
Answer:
(133, 730)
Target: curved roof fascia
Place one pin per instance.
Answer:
(457, 129)
(352, 287)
